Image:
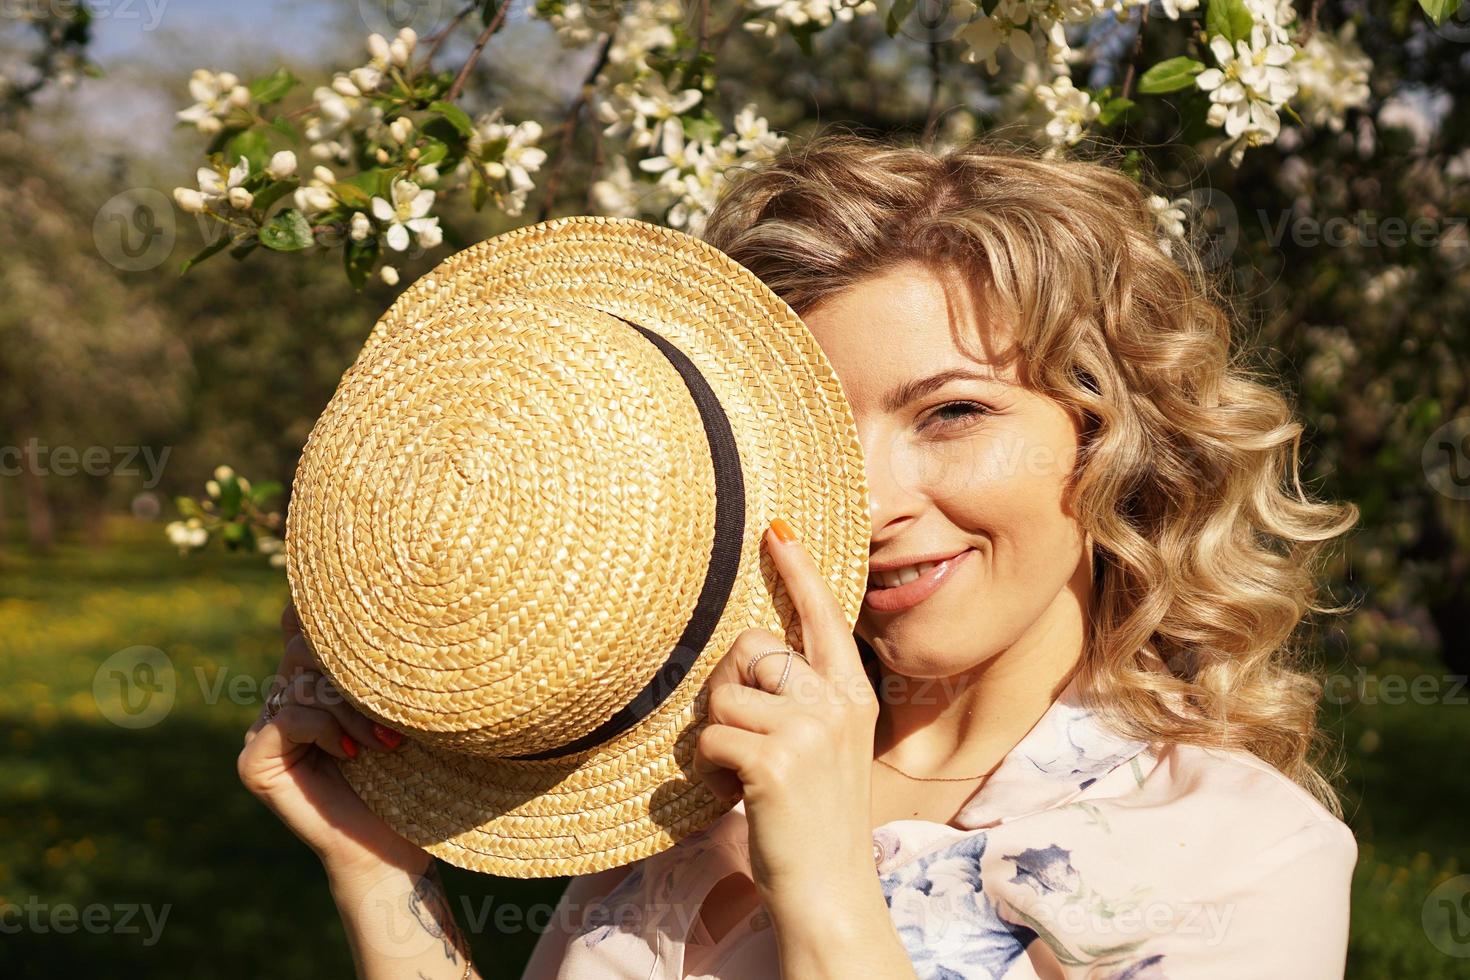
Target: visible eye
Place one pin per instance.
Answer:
(952, 414)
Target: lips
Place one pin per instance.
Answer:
(910, 594)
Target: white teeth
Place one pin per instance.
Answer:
(902, 576)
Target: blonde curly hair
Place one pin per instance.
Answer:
(1205, 544)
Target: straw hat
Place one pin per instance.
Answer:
(529, 524)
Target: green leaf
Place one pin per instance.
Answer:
(358, 258)
(487, 12)
(189, 507)
(1440, 10)
(896, 14)
(456, 116)
(213, 248)
(273, 192)
(1231, 19)
(455, 143)
(229, 499)
(478, 190)
(286, 231)
(432, 151)
(261, 492)
(236, 535)
(1113, 110)
(377, 182)
(218, 141)
(352, 196)
(1169, 76)
(252, 145)
(273, 87)
(286, 128)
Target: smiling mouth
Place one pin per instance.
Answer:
(909, 594)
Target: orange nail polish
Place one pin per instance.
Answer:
(783, 530)
(387, 735)
(349, 746)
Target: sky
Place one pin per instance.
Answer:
(146, 49)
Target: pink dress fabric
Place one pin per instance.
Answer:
(1085, 855)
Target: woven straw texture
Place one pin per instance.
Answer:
(502, 521)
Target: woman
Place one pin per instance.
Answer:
(1085, 746)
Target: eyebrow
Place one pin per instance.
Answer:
(913, 390)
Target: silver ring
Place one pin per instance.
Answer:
(274, 703)
(781, 684)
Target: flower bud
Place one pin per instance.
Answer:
(227, 80)
(190, 200)
(382, 155)
(426, 175)
(282, 165)
(223, 473)
(401, 128)
(495, 170)
(211, 488)
(209, 125)
(360, 227)
(323, 174)
(240, 198)
(389, 275)
(377, 46)
(240, 96)
(342, 85)
(400, 52)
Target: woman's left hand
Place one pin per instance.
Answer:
(802, 759)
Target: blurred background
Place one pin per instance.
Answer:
(132, 657)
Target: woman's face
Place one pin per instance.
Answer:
(976, 465)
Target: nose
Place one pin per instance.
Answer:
(895, 492)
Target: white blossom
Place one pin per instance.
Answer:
(631, 106)
(186, 535)
(1247, 88)
(1071, 110)
(1331, 73)
(216, 189)
(407, 213)
(616, 192)
(1169, 215)
(215, 95)
(316, 195)
(775, 14)
(517, 161)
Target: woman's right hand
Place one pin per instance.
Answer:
(285, 763)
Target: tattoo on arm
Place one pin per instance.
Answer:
(431, 908)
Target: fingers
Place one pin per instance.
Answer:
(746, 707)
(299, 725)
(721, 754)
(826, 633)
(312, 688)
(300, 669)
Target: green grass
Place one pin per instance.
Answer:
(94, 814)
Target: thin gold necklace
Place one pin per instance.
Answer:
(937, 779)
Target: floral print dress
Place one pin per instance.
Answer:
(1084, 855)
